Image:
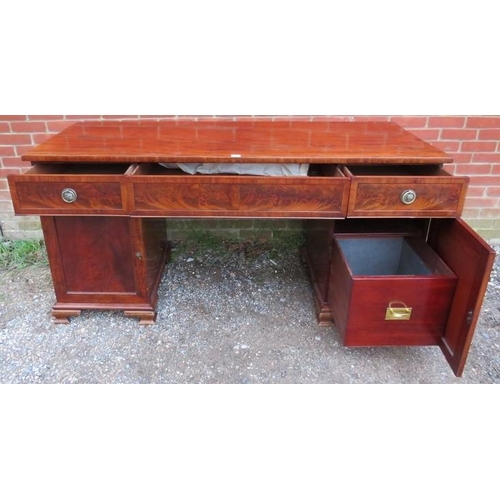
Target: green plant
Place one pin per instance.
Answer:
(17, 254)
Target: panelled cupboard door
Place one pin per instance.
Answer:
(471, 259)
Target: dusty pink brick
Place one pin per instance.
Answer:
(485, 180)
(481, 202)
(58, 126)
(410, 121)
(483, 122)
(82, 117)
(14, 162)
(459, 133)
(479, 146)
(446, 121)
(471, 169)
(39, 138)
(28, 126)
(476, 191)
(4, 172)
(494, 192)
(45, 117)
(487, 213)
(495, 169)
(7, 151)
(9, 139)
(4, 186)
(426, 134)
(4, 127)
(492, 134)
(12, 118)
(486, 157)
(448, 146)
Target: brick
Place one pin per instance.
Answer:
(459, 133)
(487, 213)
(8, 139)
(4, 186)
(448, 146)
(427, 134)
(14, 162)
(495, 169)
(485, 180)
(4, 127)
(481, 202)
(476, 191)
(5, 196)
(490, 134)
(493, 191)
(7, 151)
(28, 126)
(13, 118)
(446, 121)
(45, 117)
(471, 169)
(462, 157)
(410, 121)
(479, 146)
(483, 122)
(39, 138)
(4, 172)
(470, 213)
(486, 157)
(57, 126)
(83, 117)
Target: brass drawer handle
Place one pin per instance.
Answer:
(408, 197)
(401, 313)
(69, 195)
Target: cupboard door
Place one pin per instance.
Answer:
(471, 259)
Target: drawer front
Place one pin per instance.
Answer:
(401, 197)
(237, 197)
(59, 198)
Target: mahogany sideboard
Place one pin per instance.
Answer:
(390, 260)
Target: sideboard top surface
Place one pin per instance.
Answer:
(294, 140)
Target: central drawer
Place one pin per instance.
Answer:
(389, 290)
(162, 192)
(404, 191)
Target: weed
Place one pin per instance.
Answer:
(17, 254)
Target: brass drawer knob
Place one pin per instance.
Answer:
(408, 197)
(69, 195)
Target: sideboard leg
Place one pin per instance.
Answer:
(61, 316)
(145, 317)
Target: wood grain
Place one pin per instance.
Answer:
(297, 140)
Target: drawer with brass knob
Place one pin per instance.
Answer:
(56, 189)
(404, 191)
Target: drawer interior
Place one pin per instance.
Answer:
(395, 170)
(391, 256)
(155, 169)
(79, 169)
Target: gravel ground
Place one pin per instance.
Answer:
(223, 318)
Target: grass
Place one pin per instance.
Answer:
(200, 242)
(18, 254)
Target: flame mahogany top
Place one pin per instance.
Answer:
(259, 140)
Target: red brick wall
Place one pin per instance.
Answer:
(473, 141)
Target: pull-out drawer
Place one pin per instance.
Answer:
(389, 290)
(404, 191)
(159, 191)
(64, 189)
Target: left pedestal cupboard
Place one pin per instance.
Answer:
(390, 261)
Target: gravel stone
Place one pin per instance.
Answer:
(222, 319)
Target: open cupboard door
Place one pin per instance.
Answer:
(471, 259)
